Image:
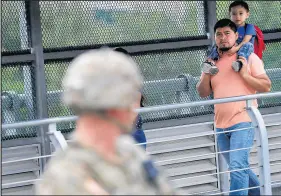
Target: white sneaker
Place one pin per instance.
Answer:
(210, 68)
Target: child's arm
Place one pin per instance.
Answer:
(246, 39)
(249, 33)
(236, 48)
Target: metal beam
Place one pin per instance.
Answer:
(211, 19)
(272, 36)
(147, 109)
(40, 77)
(168, 46)
(21, 58)
(20, 142)
(136, 48)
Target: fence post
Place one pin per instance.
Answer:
(263, 150)
(211, 19)
(56, 137)
(33, 10)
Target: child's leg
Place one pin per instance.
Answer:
(209, 67)
(246, 50)
(214, 55)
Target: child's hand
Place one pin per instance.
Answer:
(232, 51)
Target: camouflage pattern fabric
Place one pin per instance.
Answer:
(82, 171)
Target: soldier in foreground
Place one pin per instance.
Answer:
(102, 87)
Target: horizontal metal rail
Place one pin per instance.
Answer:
(146, 109)
(31, 158)
(20, 182)
(212, 192)
(276, 183)
(45, 156)
(274, 144)
(272, 164)
(203, 155)
(211, 174)
(27, 159)
(26, 181)
(193, 136)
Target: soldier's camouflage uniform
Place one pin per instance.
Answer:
(78, 171)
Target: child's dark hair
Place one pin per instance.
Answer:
(237, 3)
(225, 22)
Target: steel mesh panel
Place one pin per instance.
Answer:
(167, 65)
(84, 23)
(18, 101)
(272, 63)
(54, 71)
(14, 28)
(154, 66)
(264, 14)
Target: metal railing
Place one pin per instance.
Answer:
(257, 121)
(183, 87)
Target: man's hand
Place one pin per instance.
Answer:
(244, 70)
(260, 83)
(209, 67)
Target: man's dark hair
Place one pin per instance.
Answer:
(225, 22)
(237, 3)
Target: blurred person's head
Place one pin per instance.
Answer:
(124, 51)
(239, 12)
(225, 34)
(105, 84)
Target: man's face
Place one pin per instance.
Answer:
(225, 38)
(238, 15)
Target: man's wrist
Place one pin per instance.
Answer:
(207, 75)
(245, 76)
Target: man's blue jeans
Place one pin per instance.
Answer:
(239, 159)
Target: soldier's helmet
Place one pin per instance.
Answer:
(101, 79)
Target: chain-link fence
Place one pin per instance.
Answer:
(14, 27)
(69, 26)
(18, 100)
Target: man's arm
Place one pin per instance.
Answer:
(260, 83)
(204, 85)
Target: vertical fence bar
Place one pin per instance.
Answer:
(263, 150)
(26, 70)
(211, 19)
(56, 137)
(1, 106)
(33, 9)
